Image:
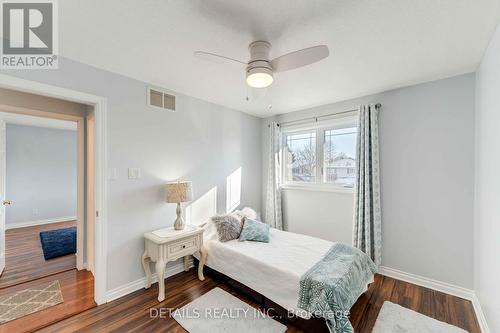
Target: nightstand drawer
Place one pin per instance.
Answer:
(185, 245)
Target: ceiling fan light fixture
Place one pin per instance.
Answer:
(259, 77)
(260, 69)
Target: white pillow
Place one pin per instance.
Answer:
(210, 232)
(250, 213)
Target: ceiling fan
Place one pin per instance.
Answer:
(260, 70)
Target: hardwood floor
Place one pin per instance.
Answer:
(77, 289)
(24, 257)
(132, 312)
(26, 267)
(453, 310)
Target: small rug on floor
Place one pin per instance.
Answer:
(219, 311)
(59, 242)
(27, 301)
(394, 318)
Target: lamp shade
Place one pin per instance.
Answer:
(179, 192)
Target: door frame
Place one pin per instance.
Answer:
(81, 169)
(3, 153)
(99, 104)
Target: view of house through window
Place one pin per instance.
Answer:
(323, 156)
(339, 162)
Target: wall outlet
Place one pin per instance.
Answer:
(134, 173)
(35, 211)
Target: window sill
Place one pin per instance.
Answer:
(318, 188)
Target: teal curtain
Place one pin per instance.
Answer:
(367, 235)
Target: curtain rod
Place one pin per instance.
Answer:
(315, 119)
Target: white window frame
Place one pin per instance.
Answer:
(319, 127)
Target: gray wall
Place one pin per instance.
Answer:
(321, 214)
(41, 173)
(427, 134)
(487, 212)
(427, 175)
(201, 142)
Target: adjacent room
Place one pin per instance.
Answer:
(235, 166)
(46, 181)
(40, 187)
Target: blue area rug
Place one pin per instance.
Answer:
(57, 243)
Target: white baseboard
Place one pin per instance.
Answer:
(443, 287)
(130, 287)
(480, 315)
(39, 222)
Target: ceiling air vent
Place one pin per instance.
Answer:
(161, 99)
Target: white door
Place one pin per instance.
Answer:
(3, 200)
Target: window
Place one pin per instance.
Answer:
(322, 156)
(339, 162)
(301, 157)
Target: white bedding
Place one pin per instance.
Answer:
(273, 269)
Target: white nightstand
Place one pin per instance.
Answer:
(164, 245)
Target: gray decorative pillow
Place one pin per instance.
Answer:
(239, 215)
(228, 227)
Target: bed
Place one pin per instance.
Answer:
(272, 269)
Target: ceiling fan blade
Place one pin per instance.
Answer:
(300, 58)
(217, 58)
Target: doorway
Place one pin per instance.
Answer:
(82, 285)
(98, 105)
(40, 205)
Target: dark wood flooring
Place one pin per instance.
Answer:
(132, 312)
(24, 259)
(77, 289)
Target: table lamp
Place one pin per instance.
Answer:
(176, 193)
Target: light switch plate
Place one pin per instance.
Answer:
(112, 174)
(134, 173)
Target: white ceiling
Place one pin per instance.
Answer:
(374, 45)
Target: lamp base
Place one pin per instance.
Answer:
(179, 221)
